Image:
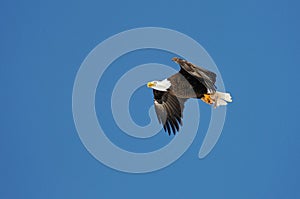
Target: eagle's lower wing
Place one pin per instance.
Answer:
(169, 110)
(206, 77)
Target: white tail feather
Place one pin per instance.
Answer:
(221, 99)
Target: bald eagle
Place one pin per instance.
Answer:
(190, 82)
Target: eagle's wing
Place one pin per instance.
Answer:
(169, 110)
(206, 77)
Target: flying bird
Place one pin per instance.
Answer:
(190, 82)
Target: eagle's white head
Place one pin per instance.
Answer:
(160, 85)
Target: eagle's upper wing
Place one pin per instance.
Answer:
(169, 110)
(206, 77)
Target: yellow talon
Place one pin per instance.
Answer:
(207, 99)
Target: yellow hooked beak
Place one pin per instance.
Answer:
(151, 84)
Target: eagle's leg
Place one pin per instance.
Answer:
(207, 99)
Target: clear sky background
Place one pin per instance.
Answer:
(255, 45)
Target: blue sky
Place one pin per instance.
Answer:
(255, 45)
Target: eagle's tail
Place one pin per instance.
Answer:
(220, 99)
